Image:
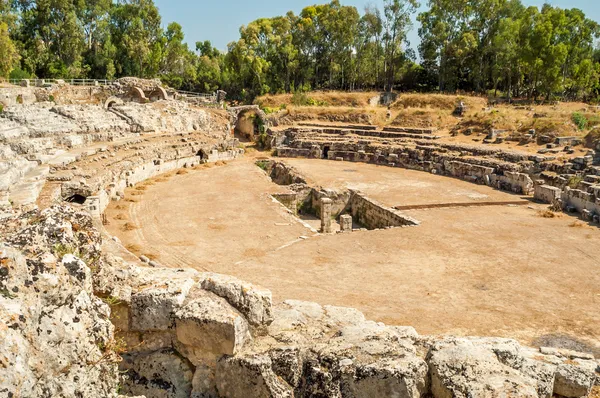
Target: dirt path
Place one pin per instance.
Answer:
(499, 270)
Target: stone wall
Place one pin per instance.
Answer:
(374, 215)
(547, 193)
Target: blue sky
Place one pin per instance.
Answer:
(219, 21)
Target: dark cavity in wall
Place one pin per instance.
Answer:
(78, 199)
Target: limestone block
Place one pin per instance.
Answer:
(389, 377)
(326, 205)
(250, 376)
(573, 381)
(154, 308)
(204, 384)
(345, 222)
(209, 327)
(252, 301)
(546, 193)
(463, 368)
(288, 363)
(543, 373)
(157, 374)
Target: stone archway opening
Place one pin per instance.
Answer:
(111, 102)
(249, 123)
(159, 94)
(248, 126)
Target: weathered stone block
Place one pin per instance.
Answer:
(251, 376)
(153, 309)
(346, 223)
(209, 328)
(547, 193)
(460, 367)
(253, 302)
(573, 381)
(393, 377)
(158, 374)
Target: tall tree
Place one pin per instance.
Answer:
(396, 25)
(8, 52)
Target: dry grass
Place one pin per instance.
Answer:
(141, 188)
(437, 101)
(578, 224)
(162, 179)
(548, 214)
(182, 172)
(152, 256)
(337, 115)
(136, 193)
(134, 248)
(216, 227)
(220, 163)
(129, 227)
(329, 98)
(121, 207)
(423, 118)
(121, 216)
(435, 110)
(132, 200)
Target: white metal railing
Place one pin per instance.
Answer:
(73, 82)
(200, 97)
(196, 95)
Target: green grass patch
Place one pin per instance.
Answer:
(580, 120)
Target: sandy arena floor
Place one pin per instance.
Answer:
(495, 270)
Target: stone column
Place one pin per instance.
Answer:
(346, 223)
(326, 204)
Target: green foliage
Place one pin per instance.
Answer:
(580, 120)
(1, 108)
(268, 110)
(61, 250)
(314, 102)
(263, 164)
(51, 98)
(9, 55)
(498, 47)
(522, 51)
(19, 74)
(574, 182)
(111, 301)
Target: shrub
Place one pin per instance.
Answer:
(1, 108)
(263, 164)
(580, 120)
(574, 182)
(300, 99)
(19, 74)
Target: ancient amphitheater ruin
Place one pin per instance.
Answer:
(136, 229)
